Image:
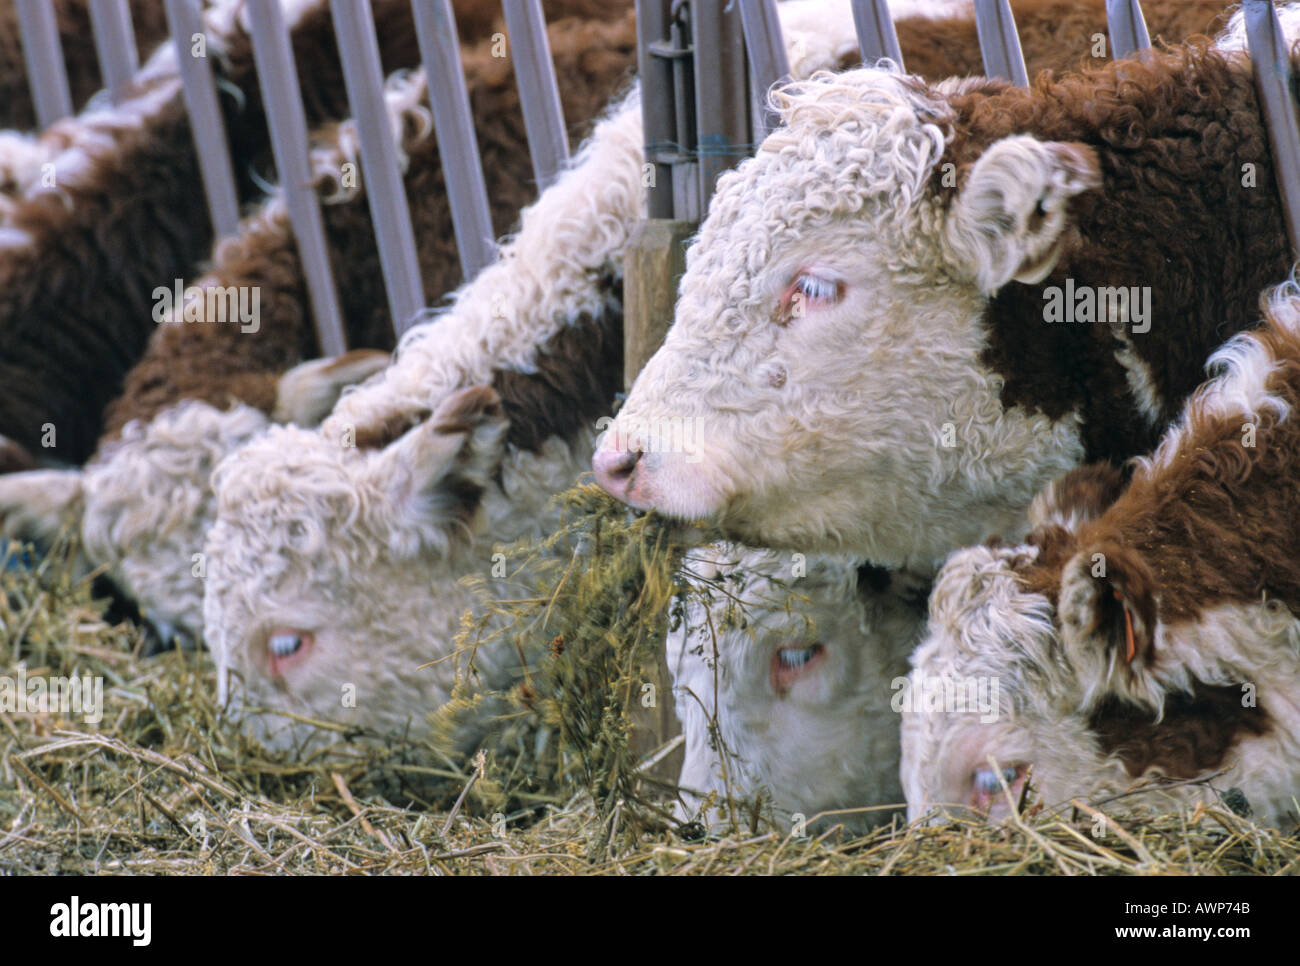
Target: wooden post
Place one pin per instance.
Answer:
(652, 266)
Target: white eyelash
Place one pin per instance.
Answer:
(815, 288)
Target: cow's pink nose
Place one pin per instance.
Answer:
(613, 469)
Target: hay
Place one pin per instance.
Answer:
(163, 785)
(588, 621)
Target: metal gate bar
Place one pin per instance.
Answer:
(46, 73)
(282, 98)
(548, 140)
(768, 63)
(1271, 57)
(1128, 28)
(877, 37)
(363, 77)
(453, 122)
(185, 24)
(110, 22)
(999, 42)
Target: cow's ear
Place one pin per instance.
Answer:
(435, 475)
(1009, 219)
(1107, 612)
(307, 392)
(36, 505)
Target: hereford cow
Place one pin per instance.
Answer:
(921, 302)
(1147, 634)
(781, 679)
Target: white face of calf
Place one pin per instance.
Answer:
(333, 575)
(988, 635)
(1078, 717)
(787, 693)
(821, 386)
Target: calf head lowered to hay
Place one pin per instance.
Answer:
(1147, 634)
(309, 540)
(782, 676)
(404, 517)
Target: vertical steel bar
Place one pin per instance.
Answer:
(46, 73)
(539, 95)
(657, 115)
(206, 124)
(1270, 56)
(877, 37)
(768, 62)
(363, 76)
(471, 218)
(721, 105)
(1128, 28)
(282, 98)
(114, 45)
(686, 168)
(999, 42)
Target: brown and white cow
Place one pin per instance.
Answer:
(1147, 632)
(920, 302)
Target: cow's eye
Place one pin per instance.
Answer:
(286, 647)
(809, 291)
(791, 663)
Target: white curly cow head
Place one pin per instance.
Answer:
(827, 338)
(333, 580)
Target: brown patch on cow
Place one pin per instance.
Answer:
(1055, 35)
(574, 379)
(353, 356)
(575, 376)
(1192, 739)
(461, 498)
(1221, 523)
(1088, 491)
(392, 428)
(1171, 135)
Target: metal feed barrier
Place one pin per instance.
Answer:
(359, 52)
(706, 67)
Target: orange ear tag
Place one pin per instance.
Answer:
(1128, 631)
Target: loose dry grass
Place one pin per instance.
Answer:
(163, 785)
